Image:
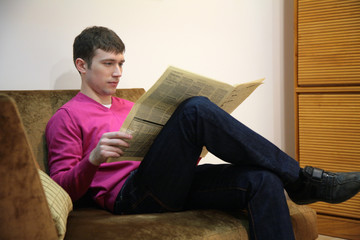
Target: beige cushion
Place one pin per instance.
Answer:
(59, 203)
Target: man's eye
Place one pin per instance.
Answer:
(108, 63)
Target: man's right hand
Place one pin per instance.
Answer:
(109, 145)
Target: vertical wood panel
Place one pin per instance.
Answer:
(329, 138)
(327, 100)
(328, 42)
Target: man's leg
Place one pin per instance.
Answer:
(169, 166)
(166, 174)
(231, 187)
(225, 187)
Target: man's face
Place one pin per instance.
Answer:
(104, 73)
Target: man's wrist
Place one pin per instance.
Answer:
(93, 161)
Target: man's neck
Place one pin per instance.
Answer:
(102, 99)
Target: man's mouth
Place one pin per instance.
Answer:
(114, 83)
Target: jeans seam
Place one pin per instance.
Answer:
(252, 221)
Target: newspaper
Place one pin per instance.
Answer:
(153, 109)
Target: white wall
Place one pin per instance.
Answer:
(229, 40)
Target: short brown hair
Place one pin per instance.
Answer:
(93, 38)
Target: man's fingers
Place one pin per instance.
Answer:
(113, 142)
(110, 151)
(109, 145)
(121, 135)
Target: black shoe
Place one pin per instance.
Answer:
(318, 185)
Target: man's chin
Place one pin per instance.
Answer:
(110, 91)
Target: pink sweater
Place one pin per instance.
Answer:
(71, 134)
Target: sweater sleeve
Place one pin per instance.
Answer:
(67, 165)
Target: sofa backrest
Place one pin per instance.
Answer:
(37, 106)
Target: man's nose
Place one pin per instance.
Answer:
(117, 71)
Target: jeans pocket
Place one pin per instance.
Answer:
(138, 203)
(134, 199)
(148, 204)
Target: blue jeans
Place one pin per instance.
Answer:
(169, 179)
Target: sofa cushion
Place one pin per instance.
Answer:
(198, 224)
(59, 202)
(24, 210)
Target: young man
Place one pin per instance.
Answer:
(83, 134)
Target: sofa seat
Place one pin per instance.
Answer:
(93, 223)
(198, 224)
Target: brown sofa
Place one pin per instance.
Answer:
(24, 210)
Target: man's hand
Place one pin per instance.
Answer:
(109, 145)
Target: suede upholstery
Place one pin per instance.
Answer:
(22, 199)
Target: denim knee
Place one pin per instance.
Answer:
(196, 102)
(199, 106)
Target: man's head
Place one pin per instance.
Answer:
(93, 38)
(99, 58)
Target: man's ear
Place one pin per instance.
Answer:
(81, 65)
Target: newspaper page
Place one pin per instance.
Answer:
(151, 112)
(239, 93)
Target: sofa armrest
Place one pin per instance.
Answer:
(24, 210)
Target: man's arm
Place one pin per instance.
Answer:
(72, 166)
(65, 155)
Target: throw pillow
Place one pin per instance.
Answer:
(59, 202)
